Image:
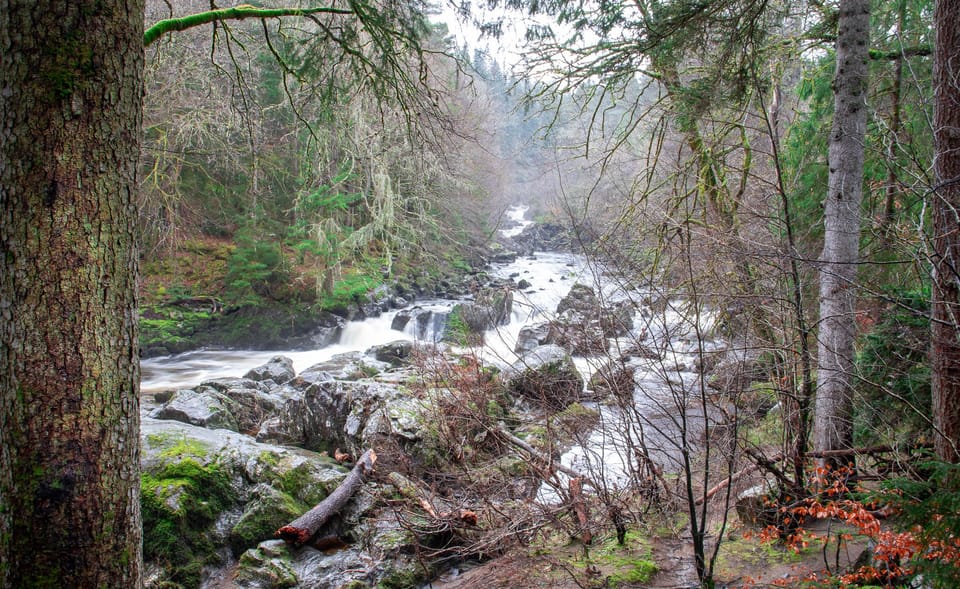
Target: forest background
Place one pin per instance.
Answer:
(295, 162)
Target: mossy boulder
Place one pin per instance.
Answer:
(205, 493)
(268, 511)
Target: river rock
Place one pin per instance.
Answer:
(396, 353)
(531, 337)
(275, 565)
(349, 415)
(541, 237)
(754, 507)
(207, 494)
(467, 321)
(202, 406)
(581, 299)
(615, 379)
(348, 366)
(616, 320)
(546, 376)
(578, 334)
(279, 369)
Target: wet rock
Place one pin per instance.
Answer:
(547, 377)
(279, 369)
(504, 257)
(203, 406)
(274, 565)
(613, 379)
(542, 237)
(581, 299)
(204, 490)
(616, 320)
(268, 511)
(348, 366)
(754, 508)
(344, 414)
(642, 351)
(426, 326)
(395, 353)
(578, 334)
(467, 321)
(531, 337)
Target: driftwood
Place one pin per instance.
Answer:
(307, 525)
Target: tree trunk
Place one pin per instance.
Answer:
(833, 406)
(71, 83)
(945, 348)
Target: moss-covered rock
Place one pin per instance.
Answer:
(263, 516)
(180, 500)
(204, 491)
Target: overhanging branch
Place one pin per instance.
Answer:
(236, 13)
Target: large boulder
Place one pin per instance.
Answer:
(578, 334)
(349, 415)
(238, 404)
(208, 495)
(614, 378)
(423, 324)
(467, 321)
(202, 406)
(279, 369)
(395, 353)
(531, 337)
(582, 299)
(584, 324)
(546, 376)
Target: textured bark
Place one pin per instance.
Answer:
(833, 405)
(70, 104)
(945, 349)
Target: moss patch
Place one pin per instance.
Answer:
(180, 502)
(628, 564)
(263, 517)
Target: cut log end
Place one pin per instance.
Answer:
(301, 530)
(294, 535)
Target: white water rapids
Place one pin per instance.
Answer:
(662, 384)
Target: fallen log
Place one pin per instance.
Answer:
(726, 482)
(307, 525)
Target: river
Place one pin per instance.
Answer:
(664, 383)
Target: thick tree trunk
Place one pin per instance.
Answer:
(945, 349)
(833, 405)
(70, 104)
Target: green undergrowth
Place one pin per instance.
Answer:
(627, 564)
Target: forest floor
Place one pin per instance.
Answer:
(744, 561)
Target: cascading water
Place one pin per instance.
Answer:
(661, 381)
(551, 275)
